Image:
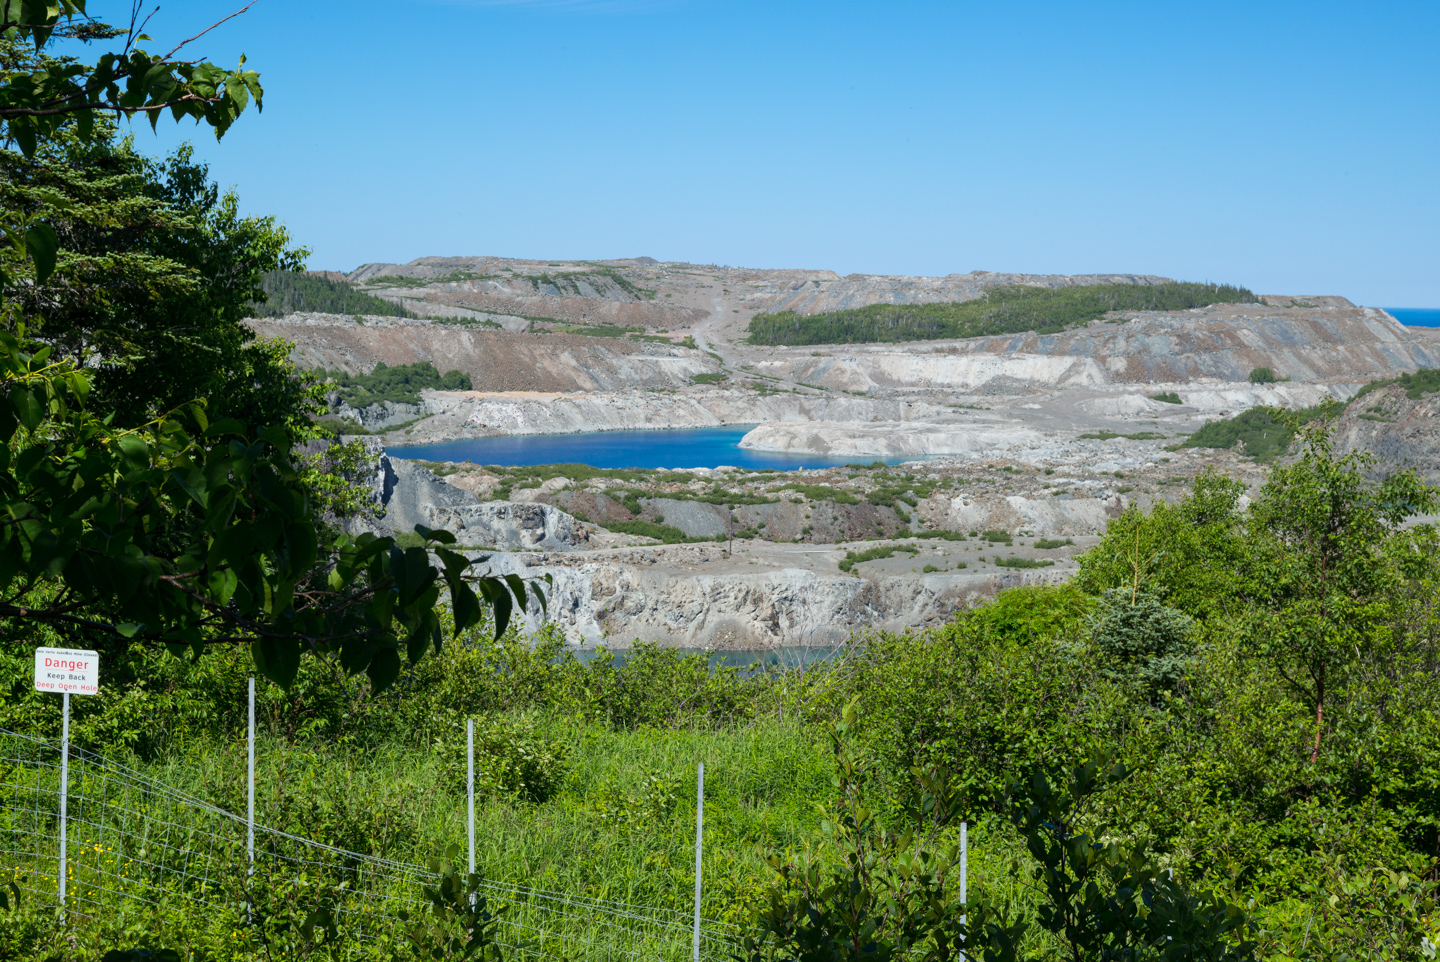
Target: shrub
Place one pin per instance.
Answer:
(1143, 641)
(511, 758)
(1262, 375)
(1167, 397)
(853, 558)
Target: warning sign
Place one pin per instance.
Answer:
(66, 669)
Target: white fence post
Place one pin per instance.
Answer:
(699, 835)
(964, 871)
(64, 798)
(250, 782)
(470, 785)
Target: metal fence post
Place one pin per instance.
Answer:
(250, 783)
(699, 835)
(964, 871)
(470, 784)
(64, 798)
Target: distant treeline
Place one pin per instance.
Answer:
(401, 384)
(1004, 310)
(292, 292)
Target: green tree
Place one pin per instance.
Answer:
(154, 275)
(1317, 580)
(1143, 641)
(129, 512)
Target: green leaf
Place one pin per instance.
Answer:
(29, 410)
(43, 245)
(24, 133)
(383, 670)
(278, 659)
(465, 605)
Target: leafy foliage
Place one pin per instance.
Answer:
(36, 103)
(190, 533)
(1005, 310)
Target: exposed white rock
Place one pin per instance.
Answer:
(892, 439)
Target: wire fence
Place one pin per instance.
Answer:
(134, 839)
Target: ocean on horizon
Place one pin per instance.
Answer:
(1416, 316)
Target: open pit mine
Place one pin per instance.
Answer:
(1013, 450)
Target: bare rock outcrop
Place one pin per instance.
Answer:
(1400, 431)
(411, 494)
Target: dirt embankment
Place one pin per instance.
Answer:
(495, 360)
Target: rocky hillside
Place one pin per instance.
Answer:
(495, 360)
(1402, 432)
(1216, 344)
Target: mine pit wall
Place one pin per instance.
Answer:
(1221, 344)
(474, 414)
(495, 360)
(619, 602)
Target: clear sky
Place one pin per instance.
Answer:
(1290, 147)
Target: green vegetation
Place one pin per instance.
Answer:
(1052, 720)
(1417, 385)
(155, 494)
(822, 492)
(1105, 435)
(1048, 544)
(708, 377)
(1006, 310)
(1265, 433)
(939, 535)
(466, 321)
(400, 384)
(1167, 397)
(853, 558)
(1024, 562)
(292, 292)
(997, 537)
(1262, 375)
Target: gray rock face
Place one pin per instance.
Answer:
(1401, 432)
(386, 414)
(412, 495)
(510, 525)
(638, 596)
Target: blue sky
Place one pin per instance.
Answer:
(1290, 147)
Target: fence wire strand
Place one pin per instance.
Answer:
(132, 837)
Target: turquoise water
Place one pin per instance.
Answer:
(686, 448)
(1416, 316)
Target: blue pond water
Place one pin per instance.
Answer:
(1417, 316)
(687, 448)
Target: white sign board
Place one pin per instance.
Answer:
(67, 669)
